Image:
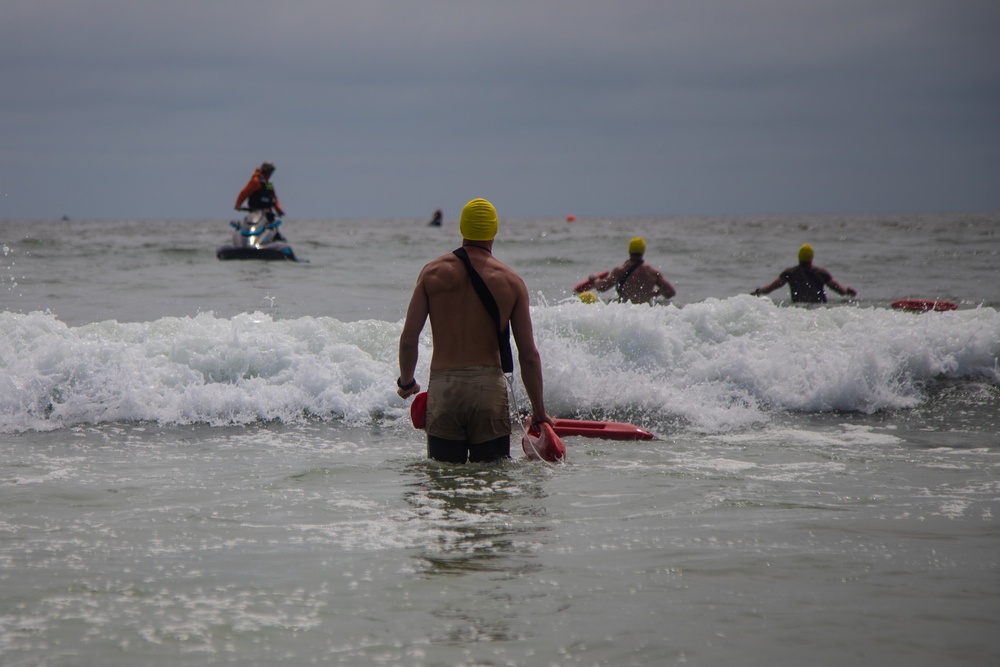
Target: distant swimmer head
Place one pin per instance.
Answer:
(267, 168)
(637, 246)
(479, 221)
(806, 253)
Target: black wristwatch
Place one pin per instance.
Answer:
(399, 383)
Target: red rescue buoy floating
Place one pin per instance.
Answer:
(924, 305)
(603, 430)
(570, 218)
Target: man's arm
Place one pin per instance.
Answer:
(840, 289)
(409, 339)
(252, 186)
(527, 355)
(666, 289)
(610, 281)
(767, 289)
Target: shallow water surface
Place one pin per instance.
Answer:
(205, 462)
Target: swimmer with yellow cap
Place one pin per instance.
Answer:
(635, 281)
(805, 281)
(474, 303)
(478, 221)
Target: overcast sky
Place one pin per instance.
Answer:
(139, 109)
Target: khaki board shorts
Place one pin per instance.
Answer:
(468, 404)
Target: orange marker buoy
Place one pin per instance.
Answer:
(570, 218)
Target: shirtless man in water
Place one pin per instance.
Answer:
(467, 411)
(805, 281)
(636, 281)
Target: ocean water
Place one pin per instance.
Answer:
(206, 463)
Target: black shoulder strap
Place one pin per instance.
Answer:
(621, 281)
(503, 337)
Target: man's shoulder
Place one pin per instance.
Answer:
(500, 266)
(821, 271)
(618, 270)
(451, 262)
(446, 262)
(499, 278)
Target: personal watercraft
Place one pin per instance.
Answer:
(256, 237)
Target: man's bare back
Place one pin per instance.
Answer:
(637, 282)
(643, 285)
(463, 332)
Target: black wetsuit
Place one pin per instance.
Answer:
(807, 283)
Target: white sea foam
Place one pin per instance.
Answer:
(725, 363)
(714, 365)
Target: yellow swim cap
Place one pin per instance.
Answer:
(806, 253)
(637, 246)
(478, 221)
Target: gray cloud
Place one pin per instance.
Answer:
(123, 109)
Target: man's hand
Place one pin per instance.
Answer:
(407, 390)
(544, 418)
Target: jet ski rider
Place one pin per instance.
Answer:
(259, 194)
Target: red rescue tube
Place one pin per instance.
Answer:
(595, 429)
(924, 305)
(588, 283)
(543, 444)
(418, 410)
